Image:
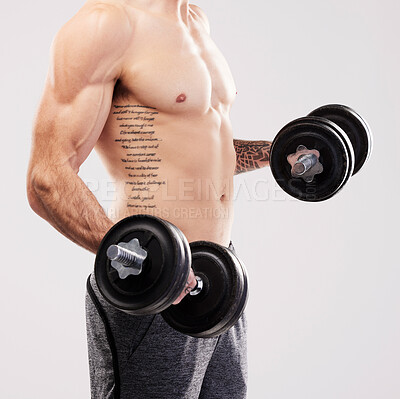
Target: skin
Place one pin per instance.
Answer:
(142, 83)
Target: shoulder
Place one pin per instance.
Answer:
(95, 22)
(201, 15)
(89, 47)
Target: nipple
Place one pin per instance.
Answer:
(181, 98)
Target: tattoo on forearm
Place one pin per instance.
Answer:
(251, 155)
(142, 161)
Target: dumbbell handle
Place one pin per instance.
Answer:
(133, 259)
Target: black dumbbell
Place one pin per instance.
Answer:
(143, 264)
(313, 157)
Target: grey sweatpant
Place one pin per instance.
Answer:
(142, 357)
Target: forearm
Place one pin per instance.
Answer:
(251, 155)
(62, 198)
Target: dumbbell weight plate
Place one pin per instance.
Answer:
(346, 142)
(181, 284)
(165, 269)
(223, 298)
(335, 156)
(240, 303)
(354, 126)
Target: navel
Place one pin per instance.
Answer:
(181, 98)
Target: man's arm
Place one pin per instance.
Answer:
(251, 155)
(85, 64)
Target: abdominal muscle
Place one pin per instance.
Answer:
(179, 168)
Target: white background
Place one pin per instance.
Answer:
(324, 309)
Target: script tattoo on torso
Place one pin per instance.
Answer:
(141, 159)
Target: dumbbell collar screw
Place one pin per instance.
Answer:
(127, 258)
(305, 163)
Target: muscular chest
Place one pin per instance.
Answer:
(177, 70)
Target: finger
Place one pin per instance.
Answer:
(190, 285)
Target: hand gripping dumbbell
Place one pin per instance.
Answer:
(313, 157)
(143, 264)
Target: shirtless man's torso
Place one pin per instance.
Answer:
(143, 83)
